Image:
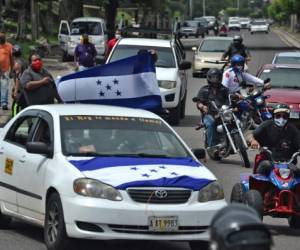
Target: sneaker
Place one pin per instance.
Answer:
(4, 107)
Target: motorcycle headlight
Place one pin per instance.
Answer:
(227, 115)
(211, 192)
(93, 188)
(259, 100)
(167, 84)
(220, 128)
(284, 172)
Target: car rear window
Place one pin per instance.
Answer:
(214, 45)
(165, 56)
(259, 23)
(282, 77)
(190, 24)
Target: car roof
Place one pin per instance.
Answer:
(93, 109)
(289, 54)
(145, 42)
(229, 38)
(274, 66)
(88, 19)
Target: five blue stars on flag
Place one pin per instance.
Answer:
(108, 87)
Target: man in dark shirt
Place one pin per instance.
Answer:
(236, 47)
(281, 137)
(85, 54)
(214, 91)
(38, 84)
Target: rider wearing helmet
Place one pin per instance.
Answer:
(236, 47)
(238, 227)
(281, 137)
(20, 65)
(235, 78)
(213, 91)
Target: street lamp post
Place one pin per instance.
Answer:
(203, 7)
(191, 8)
(238, 4)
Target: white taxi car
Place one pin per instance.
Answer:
(171, 70)
(101, 172)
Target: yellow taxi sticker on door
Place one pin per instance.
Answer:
(9, 166)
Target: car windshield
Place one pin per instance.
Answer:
(165, 57)
(287, 60)
(90, 28)
(282, 77)
(214, 45)
(190, 24)
(118, 136)
(259, 23)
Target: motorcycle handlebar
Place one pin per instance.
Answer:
(269, 152)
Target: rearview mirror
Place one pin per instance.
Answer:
(185, 65)
(39, 148)
(199, 153)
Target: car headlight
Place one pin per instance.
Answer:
(167, 84)
(94, 188)
(211, 192)
(227, 115)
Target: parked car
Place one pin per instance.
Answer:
(259, 26)
(191, 28)
(171, 70)
(292, 57)
(245, 22)
(285, 80)
(69, 35)
(211, 20)
(203, 22)
(234, 25)
(209, 53)
(104, 173)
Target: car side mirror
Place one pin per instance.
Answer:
(39, 148)
(199, 153)
(185, 65)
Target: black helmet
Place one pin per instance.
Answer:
(17, 50)
(214, 76)
(237, 40)
(281, 108)
(239, 227)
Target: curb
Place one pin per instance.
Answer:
(287, 38)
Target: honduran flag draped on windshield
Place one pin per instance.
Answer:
(130, 82)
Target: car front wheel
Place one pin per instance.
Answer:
(4, 221)
(54, 230)
(175, 114)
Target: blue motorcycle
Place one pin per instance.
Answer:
(277, 194)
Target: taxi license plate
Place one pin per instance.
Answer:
(294, 115)
(163, 224)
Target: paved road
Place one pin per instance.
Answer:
(25, 237)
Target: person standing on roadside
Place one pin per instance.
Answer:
(112, 42)
(19, 67)
(6, 65)
(38, 83)
(85, 54)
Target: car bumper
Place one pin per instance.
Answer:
(234, 28)
(170, 97)
(259, 30)
(129, 220)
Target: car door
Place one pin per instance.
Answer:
(31, 203)
(182, 73)
(63, 34)
(12, 151)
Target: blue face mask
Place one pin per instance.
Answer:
(280, 122)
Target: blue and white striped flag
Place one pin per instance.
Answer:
(130, 82)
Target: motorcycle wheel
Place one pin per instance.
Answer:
(242, 150)
(237, 193)
(253, 199)
(294, 222)
(210, 153)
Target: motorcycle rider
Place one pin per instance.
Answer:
(235, 78)
(236, 47)
(238, 227)
(281, 137)
(213, 91)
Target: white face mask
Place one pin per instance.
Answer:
(280, 122)
(117, 36)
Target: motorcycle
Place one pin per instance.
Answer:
(223, 31)
(216, 30)
(276, 195)
(230, 136)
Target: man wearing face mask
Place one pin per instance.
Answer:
(85, 54)
(6, 65)
(112, 42)
(281, 137)
(38, 84)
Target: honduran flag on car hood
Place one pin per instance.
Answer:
(125, 172)
(130, 82)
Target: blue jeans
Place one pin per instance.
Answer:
(210, 125)
(4, 83)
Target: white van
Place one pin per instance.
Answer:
(69, 35)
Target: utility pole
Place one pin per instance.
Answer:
(238, 4)
(203, 7)
(191, 8)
